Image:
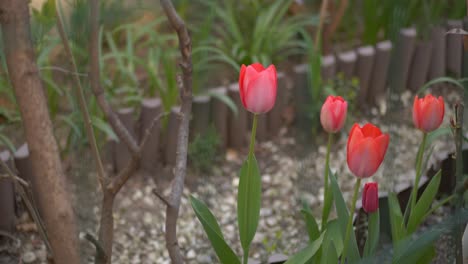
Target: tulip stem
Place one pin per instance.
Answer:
(326, 212)
(414, 192)
(350, 219)
(252, 136)
(249, 160)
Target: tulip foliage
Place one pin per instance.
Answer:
(334, 240)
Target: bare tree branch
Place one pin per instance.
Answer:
(161, 197)
(172, 210)
(82, 101)
(94, 75)
(21, 186)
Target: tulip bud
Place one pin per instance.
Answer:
(333, 113)
(428, 112)
(370, 197)
(257, 87)
(366, 149)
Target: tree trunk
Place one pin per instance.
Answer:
(24, 76)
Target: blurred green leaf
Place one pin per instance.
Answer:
(311, 223)
(104, 127)
(249, 200)
(396, 219)
(424, 203)
(373, 233)
(343, 215)
(225, 254)
(307, 253)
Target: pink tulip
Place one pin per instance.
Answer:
(428, 112)
(333, 113)
(370, 197)
(366, 149)
(257, 87)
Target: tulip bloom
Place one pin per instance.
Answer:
(370, 197)
(257, 87)
(428, 112)
(366, 149)
(333, 113)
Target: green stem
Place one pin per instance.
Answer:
(349, 227)
(251, 154)
(414, 192)
(325, 186)
(252, 136)
(246, 256)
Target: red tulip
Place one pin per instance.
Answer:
(370, 197)
(366, 149)
(257, 87)
(428, 112)
(333, 113)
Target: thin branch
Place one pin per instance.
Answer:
(94, 75)
(82, 103)
(161, 197)
(149, 130)
(116, 184)
(323, 11)
(172, 210)
(21, 185)
(97, 245)
(60, 69)
(15, 178)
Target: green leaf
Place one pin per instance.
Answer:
(373, 234)
(424, 202)
(334, 234)
(327, 205)
(311, 223)
(343, 215)
(396, 219)
(330, 255)
(225, 254)
(225, 99)
(249, 200)
(307, 253)
(440, 80)
(415, 251)
(4, 140)
(104, 127)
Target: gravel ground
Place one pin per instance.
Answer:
(288, 175)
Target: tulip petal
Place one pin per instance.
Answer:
(416, 112)
(355, 135)
(369, 130)
(261, 93)
(363, 160)
(381, 143)
(257, 66)
(241, 83)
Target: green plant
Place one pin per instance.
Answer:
(204, 149)
(5, 140)
(252, 31)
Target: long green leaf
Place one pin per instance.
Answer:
(330, 255)
(104, 127)
(249, 201)
(225, 254)
(440, 80)
(373, 234)
(342, 211)
(307, 253)
(311, 223)
(396, 219)
(225, 99)
(424, 202)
